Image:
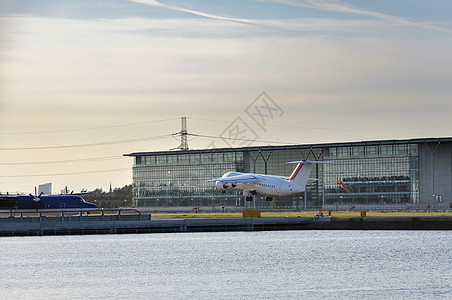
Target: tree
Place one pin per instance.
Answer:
(119, 197)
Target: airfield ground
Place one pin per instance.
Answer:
(307, 214)
(115, 222)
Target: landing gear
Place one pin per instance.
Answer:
(268, 198)
(249, 195)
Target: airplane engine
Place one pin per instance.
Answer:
(221, 186)
(36, 200)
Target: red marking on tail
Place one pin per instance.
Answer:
(343, 185)
(295, 172)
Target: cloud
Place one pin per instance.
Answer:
(339, 6)
(342, 75)
(190, 11)
(272, 26)
(381, 24)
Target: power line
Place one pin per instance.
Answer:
(239, 139)
(88, 145)
(87, 128)
(311, 128)
(64, 174)
(81, 160)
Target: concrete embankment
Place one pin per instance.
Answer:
(297, 223)
(116, 224)
(389, 223)
(50, 224)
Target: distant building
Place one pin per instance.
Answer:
(411, 173)
(45, 189)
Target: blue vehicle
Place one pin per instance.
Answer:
(45, 202)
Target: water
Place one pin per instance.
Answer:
(230, 265)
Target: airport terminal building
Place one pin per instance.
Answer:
(386, 173)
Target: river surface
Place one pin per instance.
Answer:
(230, 265)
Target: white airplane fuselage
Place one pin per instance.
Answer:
(268, 185)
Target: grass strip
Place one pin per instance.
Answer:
(306, 214)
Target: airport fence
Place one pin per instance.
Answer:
(412, 207)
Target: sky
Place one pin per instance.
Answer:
(83, 82)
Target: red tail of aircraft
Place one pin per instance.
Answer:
(343, 185)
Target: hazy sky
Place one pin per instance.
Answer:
(83, 82)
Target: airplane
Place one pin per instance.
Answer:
(268, 185)
(45, 202)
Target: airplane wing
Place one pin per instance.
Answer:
(244, 178)
(77, 194)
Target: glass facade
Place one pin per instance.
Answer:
(374, 173)
(180, 179)
(274, 162)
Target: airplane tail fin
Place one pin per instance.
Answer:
(343, 186)
(300, 174)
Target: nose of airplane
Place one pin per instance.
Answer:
(92, 205)
(219, 185)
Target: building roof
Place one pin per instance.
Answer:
(290, 147)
